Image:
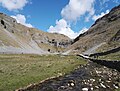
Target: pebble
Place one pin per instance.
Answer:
(108, 81)
(98, 72)
(93, 80)
(84, 89)
(115, 86)
(96, 87)
(91, 88)
(90, 84)
(103, 85)
(62, 86)
(72, 84)
(100, 80)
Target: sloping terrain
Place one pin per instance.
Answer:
(17, 38)
(103, 35)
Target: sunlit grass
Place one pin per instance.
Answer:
(21, 70)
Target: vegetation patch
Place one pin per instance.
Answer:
(111, 57)
(20, 70)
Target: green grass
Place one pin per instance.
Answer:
(117, 89)
(107, 46)
(111, 57)
(18, 71)
(7, 40)
(52, 48)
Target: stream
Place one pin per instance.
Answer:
(89, 77)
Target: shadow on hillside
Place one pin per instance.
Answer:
(109, 64)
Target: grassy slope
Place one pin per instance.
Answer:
(102, 31)
(111, 57)
(52, 48)
(108, 46)
(6, 39)
(20, 70)
(20, 36)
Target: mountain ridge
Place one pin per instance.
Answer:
(103, 35)
(98, 37)
(17, 38)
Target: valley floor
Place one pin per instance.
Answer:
(67, 73)
(20, 70)
(90, 77)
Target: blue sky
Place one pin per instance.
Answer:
(69, 17)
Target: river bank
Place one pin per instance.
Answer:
(89, 77)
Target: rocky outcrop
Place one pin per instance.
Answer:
(116, 37)
(7, 22)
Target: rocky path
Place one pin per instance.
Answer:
(89, 77)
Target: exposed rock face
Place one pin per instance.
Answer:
(16, 38)
(58, 41)
(105, 31)
(116, 37)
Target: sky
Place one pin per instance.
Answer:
(68, 17)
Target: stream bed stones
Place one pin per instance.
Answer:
(90, 77)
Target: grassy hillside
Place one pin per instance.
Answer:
(111, 57)
(28, 40)
(104, 32)
(21, 70)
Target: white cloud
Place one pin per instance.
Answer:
(21, 19)
(71, 13)
(63, 28)
(95, 17)
(77, 8)
(13, 4)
